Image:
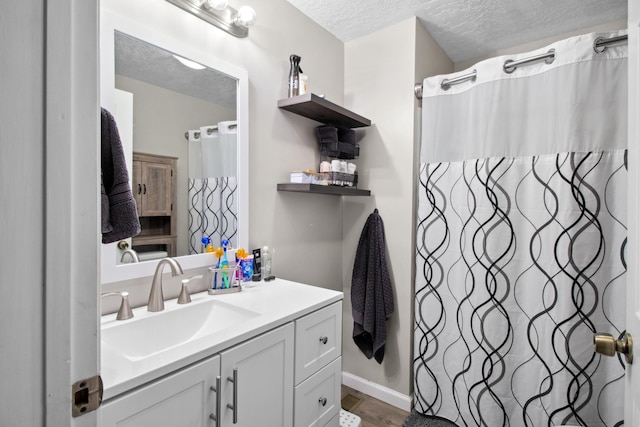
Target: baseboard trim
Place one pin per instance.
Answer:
(378, 391)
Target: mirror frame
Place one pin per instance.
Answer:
(110, 22)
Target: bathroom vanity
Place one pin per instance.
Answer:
(269, 355)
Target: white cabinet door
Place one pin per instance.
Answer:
(262, 394)
(184, 399)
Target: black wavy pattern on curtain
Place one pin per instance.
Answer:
(466, 230)
(211, 213)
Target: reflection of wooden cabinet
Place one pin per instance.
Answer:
(154, 187)
(154, 190)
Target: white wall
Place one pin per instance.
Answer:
(305, 230)
(380, 72)
(160, 119)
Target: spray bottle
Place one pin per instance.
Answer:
(294, 75)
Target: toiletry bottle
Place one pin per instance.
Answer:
(302, 86)
(294, 75)
(257, 266)
(266, 261)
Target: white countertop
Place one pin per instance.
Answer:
(276, 303)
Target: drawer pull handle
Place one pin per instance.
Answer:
(217, 389)
(324, 340)
(322, 401)
(234, 406)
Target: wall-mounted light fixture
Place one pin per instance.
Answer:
(220, 14)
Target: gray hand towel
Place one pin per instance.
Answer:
(119, 212)
(371, 292)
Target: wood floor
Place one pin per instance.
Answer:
(373, 412)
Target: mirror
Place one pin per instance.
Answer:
(184, 131)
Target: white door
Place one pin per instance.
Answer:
(257, 381)
(632, 387)
(72, 189)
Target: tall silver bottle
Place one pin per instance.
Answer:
(294, 76)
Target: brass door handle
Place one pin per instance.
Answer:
(607, 345)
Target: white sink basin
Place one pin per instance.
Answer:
(149, 334)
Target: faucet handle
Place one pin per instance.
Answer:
(124, 312)
(184, 297)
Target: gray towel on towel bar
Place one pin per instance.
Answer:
(371, 292)
(119, 211)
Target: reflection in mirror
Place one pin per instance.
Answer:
(184, 149)
(185, 127)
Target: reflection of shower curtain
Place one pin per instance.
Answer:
(213, 185)
(521, 242)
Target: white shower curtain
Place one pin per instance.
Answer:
(521, 241)
(212, 185)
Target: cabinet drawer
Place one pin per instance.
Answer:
(317, 400)
(318, 340)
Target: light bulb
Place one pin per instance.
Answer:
(189, 63)
(215, 4)
(245, 17)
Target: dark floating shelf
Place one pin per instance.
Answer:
(323, 189)
(319, 109)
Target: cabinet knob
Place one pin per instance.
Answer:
(324, 340)
(322, 401)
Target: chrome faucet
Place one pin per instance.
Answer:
(132, 254)
(156, 299)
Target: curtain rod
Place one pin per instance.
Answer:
(209, 131)
(599, 46)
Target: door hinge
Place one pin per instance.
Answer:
(86, 395)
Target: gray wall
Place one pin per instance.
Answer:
(380, 71)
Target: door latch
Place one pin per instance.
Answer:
(86, 395)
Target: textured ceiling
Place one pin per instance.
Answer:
(465, 29)
(145, 62)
